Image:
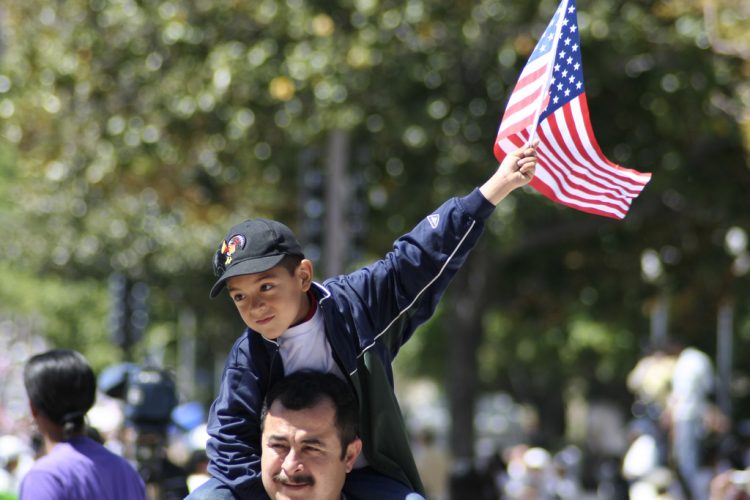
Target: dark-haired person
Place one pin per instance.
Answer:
(308, 437)
(61, 388)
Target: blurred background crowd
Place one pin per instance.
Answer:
(608, 453)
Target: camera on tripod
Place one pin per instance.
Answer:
(150, 395)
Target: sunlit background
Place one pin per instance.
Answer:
(134, 133)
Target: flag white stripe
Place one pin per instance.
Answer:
(581, 166)
(529, 87)
(638, 177)
(590, 155)
(543, 177)
(562, 8)
(584, 187)
(534, 88)
(551, 153)
(524, 90)
(558, 175)
(517, 118)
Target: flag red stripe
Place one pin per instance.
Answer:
(562, 190)
(594, 164)
(641, 178)
(521, 109)
(520, 117)
(566, 188)
(546, 191)
(523, 104)
(556, 191)
(589, 149)
(559, 190)
(584, 185)
(533, 79)
(586, 188)
(514, 128)
(574, 154)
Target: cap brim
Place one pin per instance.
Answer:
(250, 266)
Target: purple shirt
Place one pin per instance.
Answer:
(82, 469)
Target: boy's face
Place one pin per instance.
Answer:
(272, 301)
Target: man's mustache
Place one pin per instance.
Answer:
(295, 480)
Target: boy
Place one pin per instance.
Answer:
(352, 326)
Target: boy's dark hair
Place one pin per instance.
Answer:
(61, 385)
(305, 389)
(290, 263)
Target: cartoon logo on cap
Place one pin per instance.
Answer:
(229, 247)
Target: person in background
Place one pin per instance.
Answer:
(61, 388)
(433, 463)
(650, 381)
(197, 469)
(687, 408)
(731, 485)
(15, 459)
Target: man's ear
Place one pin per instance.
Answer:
(305, 274)
(352, 452)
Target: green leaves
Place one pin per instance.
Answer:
(134, 133)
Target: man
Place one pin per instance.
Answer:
(688, 405)
(309, 439)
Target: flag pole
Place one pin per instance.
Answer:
(550, 69)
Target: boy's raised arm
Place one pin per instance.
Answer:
(516, 170)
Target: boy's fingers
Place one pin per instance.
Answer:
(528, 152)
(528, 170)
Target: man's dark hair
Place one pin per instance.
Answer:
(304, 389)
(61, 384)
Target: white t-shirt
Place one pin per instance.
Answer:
(305, 347)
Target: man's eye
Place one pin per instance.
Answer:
(265, 287)
(238, 297)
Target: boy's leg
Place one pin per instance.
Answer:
(367, 484)
(213, 489)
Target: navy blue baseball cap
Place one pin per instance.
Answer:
(251, 247)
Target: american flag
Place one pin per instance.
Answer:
(549, 101)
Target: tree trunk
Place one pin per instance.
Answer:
(464, 334)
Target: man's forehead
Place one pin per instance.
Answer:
(318, 420)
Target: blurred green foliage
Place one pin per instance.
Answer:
(132, 134)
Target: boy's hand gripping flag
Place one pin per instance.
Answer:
(549, 101)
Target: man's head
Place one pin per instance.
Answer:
(263, 267)
(309, 436)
